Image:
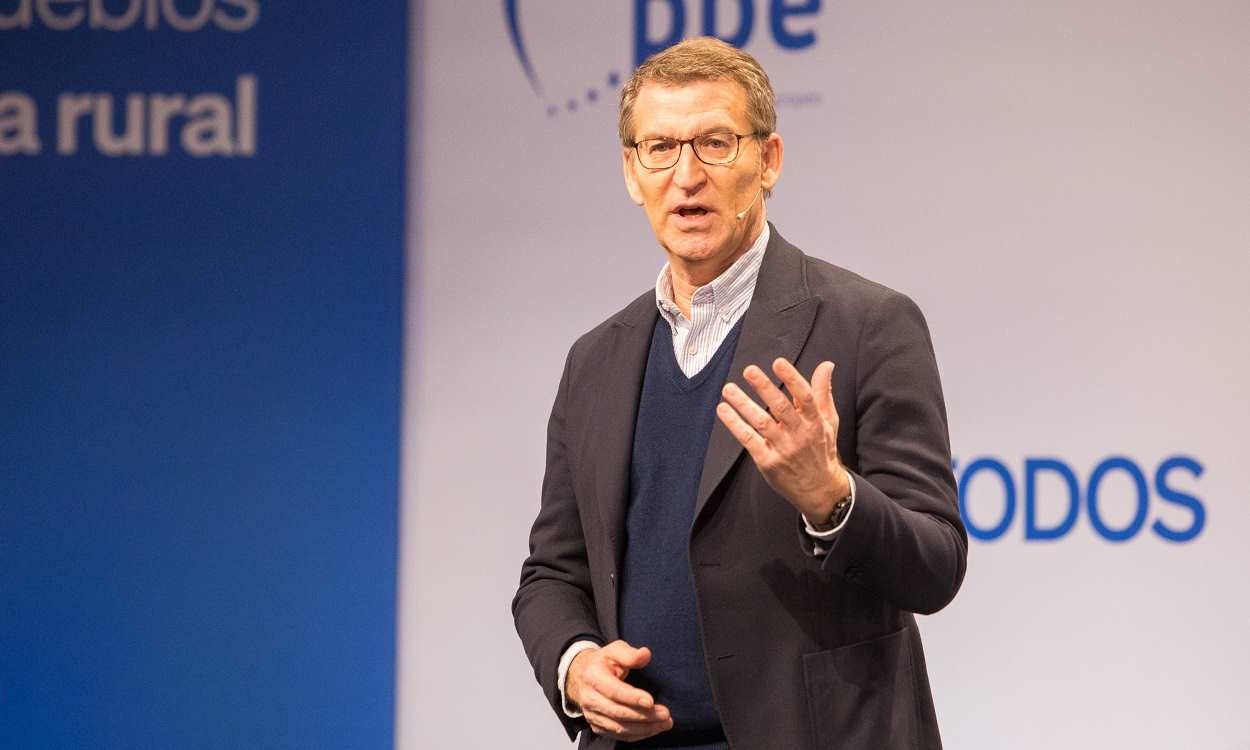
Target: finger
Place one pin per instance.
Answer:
(752, 413)
(619, 691)
(779, 404)
(797, 385)
(742, 432)
(627, 726)
(822, 388)
(606, 725)
(627, 730)
(626, 655)
(642, 730)
(621, 712)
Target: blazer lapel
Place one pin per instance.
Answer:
(611, 432)
(776, 324)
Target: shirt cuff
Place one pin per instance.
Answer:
(562, 672)
(824, 536)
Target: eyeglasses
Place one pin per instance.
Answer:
(710, 148)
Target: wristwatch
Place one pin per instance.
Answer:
(839, 513)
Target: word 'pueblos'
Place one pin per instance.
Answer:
(179, 15)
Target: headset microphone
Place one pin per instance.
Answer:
(738, 216)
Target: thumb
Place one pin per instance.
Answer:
(822, 389)
(632, 658)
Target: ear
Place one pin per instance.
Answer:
(772, 154)
(631, 179)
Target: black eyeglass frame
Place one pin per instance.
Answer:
(690, 141)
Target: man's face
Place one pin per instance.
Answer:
(693, 206)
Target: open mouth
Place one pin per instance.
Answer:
(692, 211)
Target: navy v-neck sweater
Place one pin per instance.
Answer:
(657, 600)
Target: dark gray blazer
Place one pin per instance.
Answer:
(803, 651)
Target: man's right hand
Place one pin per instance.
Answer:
(614, 708)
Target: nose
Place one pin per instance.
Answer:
(688, 173)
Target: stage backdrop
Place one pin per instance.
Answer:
(1063, 187)
(201, 241)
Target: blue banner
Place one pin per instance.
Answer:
(201, 261)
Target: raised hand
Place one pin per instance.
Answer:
(795, 442)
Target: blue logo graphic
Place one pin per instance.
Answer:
(1079, 495)
(658, 24)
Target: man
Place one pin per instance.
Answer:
(706, 570)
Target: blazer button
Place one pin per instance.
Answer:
(612, 578)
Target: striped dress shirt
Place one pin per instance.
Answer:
(714, 309)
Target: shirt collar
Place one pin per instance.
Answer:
(728, 292)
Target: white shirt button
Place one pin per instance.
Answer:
(692, 350)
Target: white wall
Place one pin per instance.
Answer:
(1065, 190)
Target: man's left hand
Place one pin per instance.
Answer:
(795, 442)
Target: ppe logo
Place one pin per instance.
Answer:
(655, 25)
(1052, 488)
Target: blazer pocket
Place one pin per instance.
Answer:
(863, 696)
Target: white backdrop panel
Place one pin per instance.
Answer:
(1064, 188)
